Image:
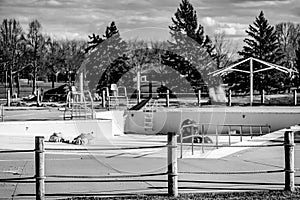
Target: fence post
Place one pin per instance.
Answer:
(295, 97)
(103, 98)
(168, 99)
(37, 97)
(138, 95)
(172, 165)
(262, 98)
(2, 113)
(8, 98)
(289, 153)
(199, 97)
(229, 97)
(39, 168)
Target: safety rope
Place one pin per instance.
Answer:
(16, 179)
(240, 172)
(17, 151)
(254, 146)
(108, 176)
(104, 149)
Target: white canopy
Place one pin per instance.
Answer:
(251, 71)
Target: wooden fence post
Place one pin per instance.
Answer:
(172, 165)
(39, 168)
(289, 153)
(168, 99)
(262, 98)
(295, 97)
(199, 97)
(229, 97)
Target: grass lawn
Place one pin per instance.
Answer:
(262, 195)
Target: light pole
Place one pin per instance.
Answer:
(251, 82)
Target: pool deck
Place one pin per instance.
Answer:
(125, 162)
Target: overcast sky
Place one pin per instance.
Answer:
(146, 19)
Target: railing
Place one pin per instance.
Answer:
(289, 165)
(115, 102)
(197, 130)
(76, 102)
(40, 175)
(199, 98)
(172, 168)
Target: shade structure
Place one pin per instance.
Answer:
(251, 71)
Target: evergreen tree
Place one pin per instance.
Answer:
(262, 43)
(191, 50)
(185, 22)
(106, 58)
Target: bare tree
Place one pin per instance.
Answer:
(288, 34)
(73, 56)
(10, 37)
(35, 43)
(225, 50)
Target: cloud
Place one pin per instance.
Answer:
(64, 17)
(209, 21)
(232, 29)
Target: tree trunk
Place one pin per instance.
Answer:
(11, 80)
(34, 79)
(18, 84)
(53, 79)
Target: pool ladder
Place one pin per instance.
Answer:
(149, 109)
(77, 106)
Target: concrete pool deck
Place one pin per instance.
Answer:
(138, 162)
(124, 162)
(11, 142)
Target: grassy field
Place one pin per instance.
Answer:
(263, 195)
(26, 87)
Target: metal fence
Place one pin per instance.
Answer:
(172, 167)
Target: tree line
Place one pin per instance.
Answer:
(33, 55)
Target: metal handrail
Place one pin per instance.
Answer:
(203, 133)
(73, 101)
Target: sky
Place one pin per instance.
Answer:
(144, 19)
